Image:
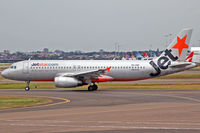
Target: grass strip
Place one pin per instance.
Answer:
(109, 86)
(22, 85)
(19, 101)
(181, 76)
(151, 86)
(5, 64)
(1, 77)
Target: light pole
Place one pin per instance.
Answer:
(115, 48)
(168, 38)
(199, 42)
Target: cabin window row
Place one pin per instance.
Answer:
(91, 67)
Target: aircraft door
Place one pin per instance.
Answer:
(78, 68)
(26, 67)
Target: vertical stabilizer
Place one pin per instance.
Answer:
(180, 45)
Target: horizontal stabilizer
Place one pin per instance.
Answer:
(180, 65)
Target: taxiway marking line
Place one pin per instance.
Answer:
(103, 111)
(173, 96)
(109, 122)
(112, 127)
(51, 104)
(108, 111)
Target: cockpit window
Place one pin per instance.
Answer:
(13, 67)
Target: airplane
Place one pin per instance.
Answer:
(73, 73)
(146, 55)
(190, 57)
(138, 56)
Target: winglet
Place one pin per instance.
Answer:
(189, 58)
(108, 69)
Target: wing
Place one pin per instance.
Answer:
(86, 75)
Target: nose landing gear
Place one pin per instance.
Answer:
(93, 87)
(27, 88)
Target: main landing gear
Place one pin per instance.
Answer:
(27, 88)
(93, 87)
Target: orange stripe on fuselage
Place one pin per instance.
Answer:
(106, 80)
(44, 80)
(97, 80)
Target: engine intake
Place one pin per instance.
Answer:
(67, 82)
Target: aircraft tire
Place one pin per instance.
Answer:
(27, 88)
(95, 87)
(90, 88)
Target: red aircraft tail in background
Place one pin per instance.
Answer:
(189, 58)
(145, 54)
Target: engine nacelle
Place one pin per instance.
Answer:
(67, 82)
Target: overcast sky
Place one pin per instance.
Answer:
(90, 25)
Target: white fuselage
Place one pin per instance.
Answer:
(121, 70)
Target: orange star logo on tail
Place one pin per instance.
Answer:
(180, 45)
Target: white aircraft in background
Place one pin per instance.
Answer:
(72, 73)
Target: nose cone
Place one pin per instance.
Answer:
(4, 73)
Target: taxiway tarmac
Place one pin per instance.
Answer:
(107, 111)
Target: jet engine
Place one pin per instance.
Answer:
(67, 82)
